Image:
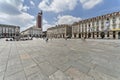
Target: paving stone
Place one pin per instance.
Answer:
(14, 61)
(2, 68)
(16, 76)
(59, 75)
(25, 56)
(73, 56)
(97, 50)
(99, 59)
(39, 59)
(108, 64)
(3, 61)
(100, 76)
(38, 76)
(75, 74)
(88, 64)
(108, 71)
(93, 59)
(13, 69)
(80, 66)
(28, 62)
(31, 70)
(47, 68)
(57, 61)
(85, 58)
(34, 54)
(21, 52)
(114, 65)
(1, 75)
(64, 66)
(15, 56)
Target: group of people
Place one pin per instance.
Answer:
(46, 39)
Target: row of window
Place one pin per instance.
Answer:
(92, 27)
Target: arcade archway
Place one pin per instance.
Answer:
(118, 35)
(89, 35)
(102, 35)
(114, 34)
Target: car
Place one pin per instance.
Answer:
(68, 37)
(6, 39)
(9, 39)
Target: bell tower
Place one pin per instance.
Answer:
(39, 20)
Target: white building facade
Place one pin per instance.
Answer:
(105, 26)
(9, 31)
(32, 32)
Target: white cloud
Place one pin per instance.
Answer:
(44, 21)
(32, 3)
(60, 6)
(25, 8)
(12, 12)
(46, 25)
(22, 20)
(57, 5)
(67, 19)
(12, 3)
(22, 0)
(88, 4)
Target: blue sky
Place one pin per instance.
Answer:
(23, 12)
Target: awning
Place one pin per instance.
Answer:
(118, 29)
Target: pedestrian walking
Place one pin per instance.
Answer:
(65, 38)
(83, 38)
(46, 39)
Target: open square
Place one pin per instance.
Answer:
(60, 59)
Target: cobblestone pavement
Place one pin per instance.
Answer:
(60, 60)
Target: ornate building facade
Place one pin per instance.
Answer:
(59, 31)
(32, 32)
(105, 26)
(8, 31)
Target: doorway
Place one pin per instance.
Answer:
(108, 35)
(97, 34)
(114, 36)
(75, 35)
(89, 35)
(118, 35)
(102, 35)
(93, 35)
(79, 35)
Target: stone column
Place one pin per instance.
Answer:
(77, 35)
(95, 35)
(116, 35)
(110, 35)
(72, 35)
